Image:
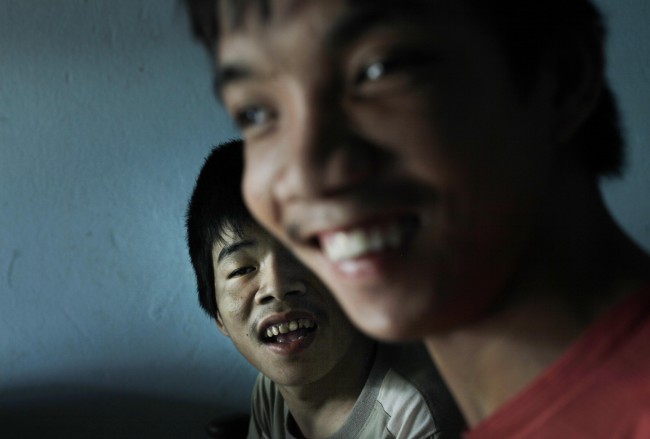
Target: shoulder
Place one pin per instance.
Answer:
(266, 394)
(414, 395)
(264, 388)
(268, 417)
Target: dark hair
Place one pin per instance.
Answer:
(216, 204)
(528, 30)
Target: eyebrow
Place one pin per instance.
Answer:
(229, 74)
(235, 247)
(351, 27)
(344, 32)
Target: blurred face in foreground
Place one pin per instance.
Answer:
(277, 313)
(387, 148)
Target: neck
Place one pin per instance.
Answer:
(577, 269)
(321, 408)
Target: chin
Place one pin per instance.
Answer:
(291, 377)
(392, 321)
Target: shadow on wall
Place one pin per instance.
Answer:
(57, 412)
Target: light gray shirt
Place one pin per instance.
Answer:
(403, 398)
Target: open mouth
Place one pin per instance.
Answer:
(368, 238)
(289, 331)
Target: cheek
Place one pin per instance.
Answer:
(234, 307)
(413, 136)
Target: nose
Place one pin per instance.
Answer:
(325, 153)
(281, 276)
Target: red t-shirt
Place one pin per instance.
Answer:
(600, 388)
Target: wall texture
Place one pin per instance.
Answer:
(629, 72)
(106, 113)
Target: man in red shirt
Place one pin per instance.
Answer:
(436, 163)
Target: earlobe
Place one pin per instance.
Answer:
(220, 325)
(579, 84)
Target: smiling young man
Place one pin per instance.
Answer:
(320, 377)
(436, 163)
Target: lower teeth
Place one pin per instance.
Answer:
(291, 336)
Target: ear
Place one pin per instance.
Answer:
(220, 325)
(579, 84)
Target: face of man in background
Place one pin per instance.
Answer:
(387, 148)
(277, 313)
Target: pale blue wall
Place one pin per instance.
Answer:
(629, 71)
(105, 116)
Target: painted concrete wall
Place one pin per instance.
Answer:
(106, 114)
(105, 117)
(629, 72)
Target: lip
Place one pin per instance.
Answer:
(371, 267)
(312, 232)
(305, 220)
(407, 222)
(376, 266)
(294, 347)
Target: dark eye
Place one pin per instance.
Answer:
(253, 116)
(372, 72)
(241, 272)
(409, 63)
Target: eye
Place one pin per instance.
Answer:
(373, 71)
(251, 116)
(242, 271)
(402, 64)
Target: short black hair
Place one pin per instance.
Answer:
(216, 205)
(527, 31)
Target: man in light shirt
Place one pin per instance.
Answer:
(319, 376)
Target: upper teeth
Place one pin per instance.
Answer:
(283, 328)
(356, 242)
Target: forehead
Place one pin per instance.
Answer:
(234, 14)
(273, 20)
(299, 36)
(248, 231)
(260, 24)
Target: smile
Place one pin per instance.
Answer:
(287, 332)
(360, 241)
